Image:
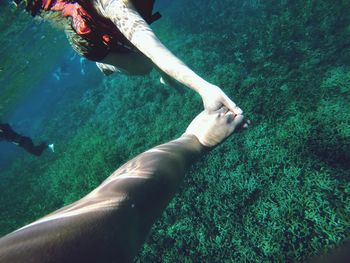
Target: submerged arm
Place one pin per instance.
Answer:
(111, 223)
(138, 32)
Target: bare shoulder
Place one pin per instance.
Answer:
(124, 15)
(117, 5)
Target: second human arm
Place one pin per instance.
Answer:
(111, 223)
(123, 14)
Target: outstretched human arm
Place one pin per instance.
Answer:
(123, 14)
(111, 223)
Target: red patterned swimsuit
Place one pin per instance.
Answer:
(92, 35)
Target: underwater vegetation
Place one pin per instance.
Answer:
(278, 192)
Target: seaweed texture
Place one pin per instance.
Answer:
(279, 191)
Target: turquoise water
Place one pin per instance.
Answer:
(276, 192)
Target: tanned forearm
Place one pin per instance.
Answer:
(110, 223)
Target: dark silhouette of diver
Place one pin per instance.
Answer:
(8, 134)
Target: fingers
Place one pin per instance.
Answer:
(246, 124)
(243, 125)
(234, 120)
(230, 116)
(213, 128)
(222, 111)
(232, 106)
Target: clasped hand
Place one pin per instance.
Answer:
(214, 99)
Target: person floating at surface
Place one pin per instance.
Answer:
(116, 34)
(8, 134)
(111, 223)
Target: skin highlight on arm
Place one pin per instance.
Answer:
(138, 32)
(111, 223)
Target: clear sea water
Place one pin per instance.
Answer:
(278, 192)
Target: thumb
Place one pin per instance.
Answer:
(235, 121)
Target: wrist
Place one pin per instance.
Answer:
(207, 88)
(193, 140)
